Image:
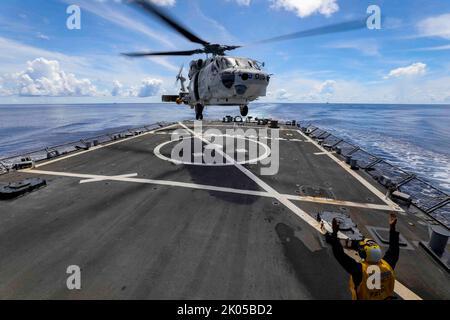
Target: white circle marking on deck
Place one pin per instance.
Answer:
(157, 152)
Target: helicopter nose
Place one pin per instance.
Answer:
(251, 82)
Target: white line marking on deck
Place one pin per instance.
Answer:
(373, 206)
(101, 146)
(234, 125)
(94, 177)
(89, 178)
(404, 292)
(363, 181)
(131, 175)
(323, 153)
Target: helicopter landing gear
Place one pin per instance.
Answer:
(244, 110)
(199, 112)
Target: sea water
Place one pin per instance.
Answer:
(414, 137)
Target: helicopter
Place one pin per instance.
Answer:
(220, 79)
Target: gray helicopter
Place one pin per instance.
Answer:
(220, 79)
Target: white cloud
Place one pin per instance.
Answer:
(117, 89)
(436, 26)
(242, 2)
(305, 8)
(321, 91)
(149, 87)
(367, 47)
(280, 95)
(326, 87)
(294, 88)
(13, 54)
(435, 48)
(3, 91)
(416, 69)
(42, 36)
(45, 78)
(300, 87)
(101, 68)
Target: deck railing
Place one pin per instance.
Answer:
(8, 163)
(425, 196)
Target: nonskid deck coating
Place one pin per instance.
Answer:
(169, 231)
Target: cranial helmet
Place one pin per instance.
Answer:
(370, 251)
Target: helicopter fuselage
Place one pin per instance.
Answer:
(225, 80)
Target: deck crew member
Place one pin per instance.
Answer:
(360, 284)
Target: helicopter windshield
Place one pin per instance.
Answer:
(244, 63)
(228, 62)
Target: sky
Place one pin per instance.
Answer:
(406, 61)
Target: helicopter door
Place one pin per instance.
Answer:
(196, 91)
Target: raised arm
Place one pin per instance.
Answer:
(392, 254)
(349, 264)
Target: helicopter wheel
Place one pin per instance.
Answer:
(199, 112)
(244, 110)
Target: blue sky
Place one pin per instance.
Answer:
(42, 61)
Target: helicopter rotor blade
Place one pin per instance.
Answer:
(171, 22)
(329, 29)
(163, 53)
(179, 75)
(181, 71)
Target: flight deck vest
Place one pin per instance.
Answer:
(387, 279)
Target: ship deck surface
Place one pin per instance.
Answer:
(141, 227)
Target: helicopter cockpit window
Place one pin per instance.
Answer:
(227, 63)
(246, 63)
(243, 63)
(256, 65)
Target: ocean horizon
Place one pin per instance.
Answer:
(412, 136)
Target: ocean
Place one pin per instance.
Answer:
(414, 137)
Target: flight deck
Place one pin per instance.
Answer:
(143, 227)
